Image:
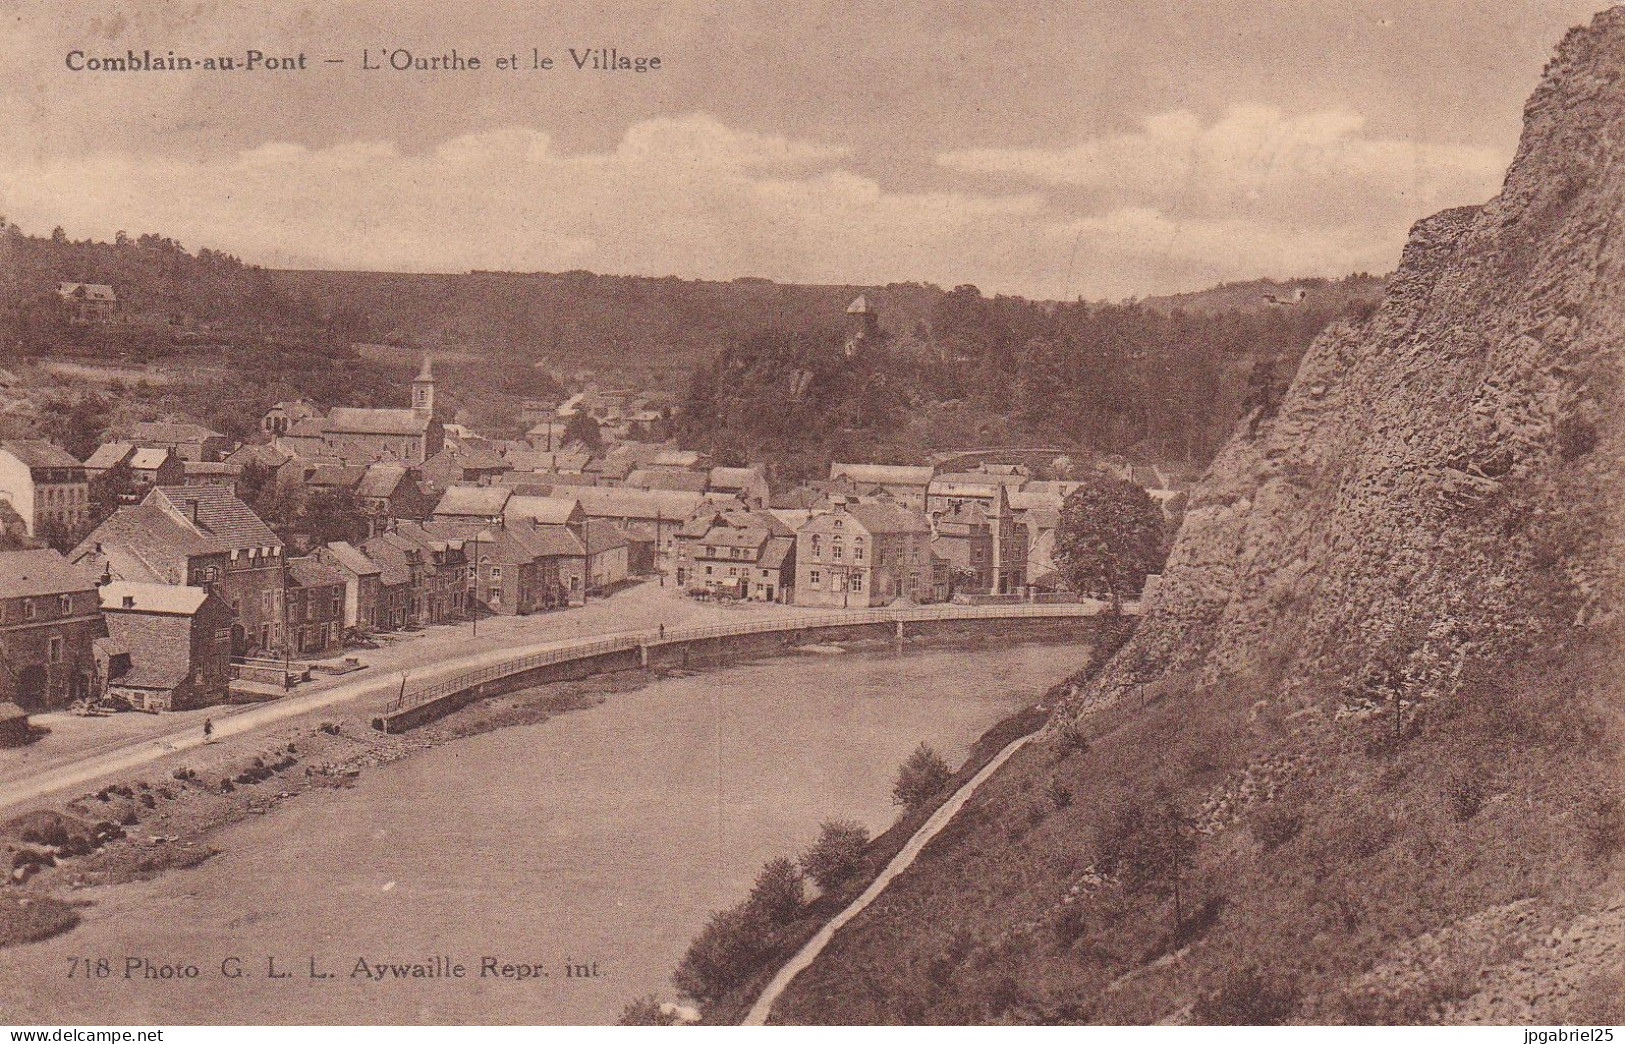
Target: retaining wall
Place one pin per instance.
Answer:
(717, 650)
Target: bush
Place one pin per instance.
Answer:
(1465, 794)
(1246, 998)
(837, 854)
(728, 951)
(1273, 826)
(1071, 738)
(1602, 825)
(779, 893)
(645, 1011)
(1060, 793)
(920, 778)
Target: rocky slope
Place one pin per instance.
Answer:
(1378, 692)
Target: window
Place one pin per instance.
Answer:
(855, 582)
(835, 550)
(814, 578)
(496, 574)
(857, 551)
(266, 602)
(54, 653)
(817, 546)
(733, 570)
(708, 570)
(28, 608)
(64, 604)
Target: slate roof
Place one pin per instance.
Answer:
(549, 511)
(351, 558)
(547, 541)
(381, 480)
(885, 474)
(340, 476)
(684, 481)
(37, 453)
(210, 468)
(604, 535)
(308, 572)
(390, 553)
(733, 478)
(227, 521)
(262, 453)
(775, 551)
(613, 502)
(888, 518)
(33, 574)
(484, 501)
(148, 458)
(109, 454)
(167, 599)
(145, 541)
(357, 421)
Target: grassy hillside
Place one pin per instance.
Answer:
(1362, 763)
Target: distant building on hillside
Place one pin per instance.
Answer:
(89, 302)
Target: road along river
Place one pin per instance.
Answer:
(564, 866)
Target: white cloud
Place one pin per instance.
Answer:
(1175, 205)
(1315, 169)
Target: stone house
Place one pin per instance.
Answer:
(315, 606)
(178, 641)
(747, 484)
(89, 302)
(46, 486)
(749, 554)
(185, 440)
(906, 483)
(986, 547)
(198, 536)
(50, 620)
(860, 555)
(363, 601)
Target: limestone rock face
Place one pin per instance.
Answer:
(1443, 478)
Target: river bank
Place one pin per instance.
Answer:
(167, 818)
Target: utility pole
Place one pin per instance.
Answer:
(474, 591)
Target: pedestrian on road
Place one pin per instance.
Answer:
(662, 632)
(208, 730)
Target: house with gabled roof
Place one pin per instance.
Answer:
(198, 536)
(50, 620)
(858, 555)
(46, 485)
(176, 641)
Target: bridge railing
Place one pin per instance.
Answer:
(632, 640)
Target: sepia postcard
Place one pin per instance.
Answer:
(710, 512)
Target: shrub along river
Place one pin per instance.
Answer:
(565, 866)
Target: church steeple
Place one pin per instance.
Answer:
(423, 387)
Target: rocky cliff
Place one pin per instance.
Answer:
(1376, 698)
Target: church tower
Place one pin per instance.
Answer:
(865, 324)
(423, 388)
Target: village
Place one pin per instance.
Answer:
(182, 597)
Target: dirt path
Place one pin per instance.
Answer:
(902, 861)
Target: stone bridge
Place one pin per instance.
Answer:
(716, 645)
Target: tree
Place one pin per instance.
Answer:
(109, 489)
(646, 1011)
(1148, 845)
(728, 951)
(75, 424)
(778, 894)
(332, 515)
(837, 854)
(920, 778)
(582, 429)
(1109, 539)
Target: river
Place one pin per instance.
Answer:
(598, 841)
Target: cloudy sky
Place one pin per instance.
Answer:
(1102, 148)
